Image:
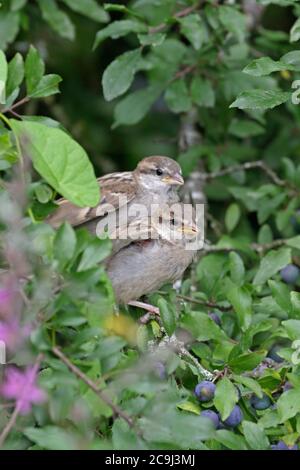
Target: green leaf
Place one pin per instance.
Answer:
(247, 361)
(9, 27)
(241, 300)
(295, 301)
(281, 294)
(96, 252)
(64, 244)
(209, 271)
(265, 66)
(226, 397)
(288, 404)
(251, 384)
(152, 39)
(202, 92)
(15, 74)
(292, 58)
(293, 328)
(202, 327)
(132, 109)
(234, 21)
(260, 99)
(60, 160)
(118, 29)
(194, 29)
(255, 436)
(89, 8)
(167, 316)
(57, 19)
(34, 69)
(47, 86)
(245, 128)
(273, 262)
(3, 77)
(119, 75)
(231, 440)
(295, 31)
(43, 193)
(177, 97)
(232, 216)
(189, 406)
(265, 234)
(294, 242)
(123, 437)
(17, 4)
(237, 268)
(53, 438)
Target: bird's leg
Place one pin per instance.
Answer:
(148, 307)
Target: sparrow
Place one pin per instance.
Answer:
(144, 266)
(154, 181)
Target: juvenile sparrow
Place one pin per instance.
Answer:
(154, 181)
(144, 266)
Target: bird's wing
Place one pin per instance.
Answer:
(117, 189)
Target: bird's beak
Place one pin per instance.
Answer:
(174, 179)
(189, 229)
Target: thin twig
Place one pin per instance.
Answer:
(185, 71)
(12, 421)
(115, 408)
(179, 14)
(250, 166)
(258, 247)
(17, 115)
(205, 303)
(149, 308)
(16, 105)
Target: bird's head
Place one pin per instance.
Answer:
(158, 174)
(177, 223)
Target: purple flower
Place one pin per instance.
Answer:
(21, 386)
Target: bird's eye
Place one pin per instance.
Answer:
(159, 172)
(173, 221)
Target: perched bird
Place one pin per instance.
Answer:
(154, 181)
(144, 266)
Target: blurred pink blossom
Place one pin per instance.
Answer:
(6, 298)
(13, 334)
(21, 386)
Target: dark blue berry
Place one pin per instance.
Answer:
(287, 386)
(290, 274)
(215, 317)
(260, 403)
(213, 416)
(282, 446)
(205, 391)
(160, 370)
(272, 354)
(295, 221)
(235, 417)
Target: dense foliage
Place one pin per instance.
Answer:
(215, 85)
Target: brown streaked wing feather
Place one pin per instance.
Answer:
(111, 190)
